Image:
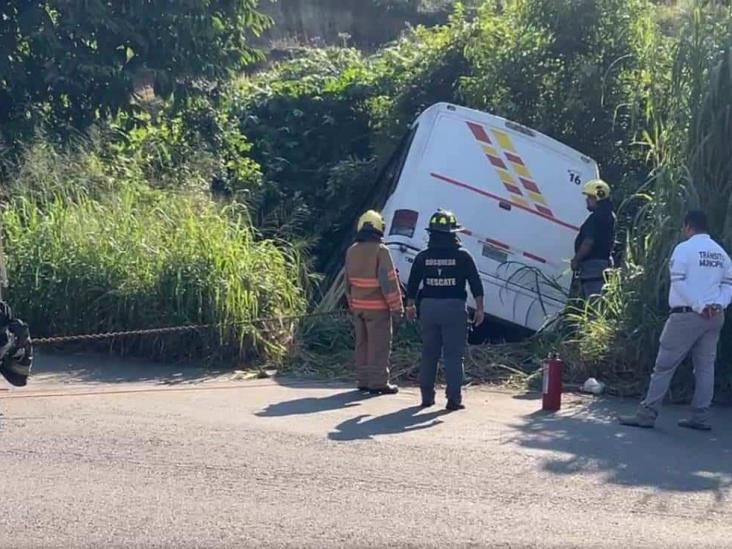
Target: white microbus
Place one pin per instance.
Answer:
(516, 191)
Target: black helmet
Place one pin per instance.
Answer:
(444, 222)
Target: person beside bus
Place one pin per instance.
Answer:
(439, 276)
(594, 244)
(375, 300)
(701, 289)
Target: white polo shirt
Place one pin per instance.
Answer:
(701, 274)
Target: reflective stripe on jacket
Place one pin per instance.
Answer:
(371, 280)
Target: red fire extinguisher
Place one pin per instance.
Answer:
(552, 392)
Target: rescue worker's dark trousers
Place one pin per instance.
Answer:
(444, 333)
(592, 276)
(373, 348)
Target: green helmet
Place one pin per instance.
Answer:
(444, 222)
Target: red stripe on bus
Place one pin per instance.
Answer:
(499, 199)
(497, 243)
(530, 185)
(479, 133)
(515, 159)
(513, 189)
(545, 211)
(497, 162)
(535, 257)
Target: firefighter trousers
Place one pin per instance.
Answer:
(444, 333)
(373, 348)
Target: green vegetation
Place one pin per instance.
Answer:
(687, 140)
(81, 61)
(326, 121)
(85, 261)
(198, 205)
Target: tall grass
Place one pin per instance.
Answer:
(689, 148)
(132, 257)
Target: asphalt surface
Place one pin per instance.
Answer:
(97, 453)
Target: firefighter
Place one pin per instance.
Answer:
(594, 245)
(439, 276)
(375, 300)
(701, 289)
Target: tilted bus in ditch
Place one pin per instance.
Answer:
(517, 192)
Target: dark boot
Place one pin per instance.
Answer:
(428, 398)
(388, 389)
(454, 406)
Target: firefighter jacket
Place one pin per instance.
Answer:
(371, 280)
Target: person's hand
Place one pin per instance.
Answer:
(411, 313)
(712, 310)
(478, 317)
(574, 264)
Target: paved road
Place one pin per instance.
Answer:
(120, 455)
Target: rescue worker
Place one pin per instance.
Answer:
(375, 300)
(594, 244)
(701, 289)
(439, 276)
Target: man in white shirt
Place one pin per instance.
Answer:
(701, 289)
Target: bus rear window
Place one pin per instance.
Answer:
(404, 223)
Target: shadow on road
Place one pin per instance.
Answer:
(403, 421)
(89, 368)
(312, 405)
(667, 458)
(528, 396)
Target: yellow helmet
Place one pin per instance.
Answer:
(596, 189)
(374, 219)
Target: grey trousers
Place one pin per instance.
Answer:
(444, 332)
(684, 333)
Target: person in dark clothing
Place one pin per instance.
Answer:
(16, 350)
(594, 244)
(439, 276)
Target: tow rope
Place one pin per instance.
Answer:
(55, 340)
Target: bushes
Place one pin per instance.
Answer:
(578, 70)
(599, 75)
(304, 118)
(689, 147)
(138, 257)
(300, 145)
(585, 84)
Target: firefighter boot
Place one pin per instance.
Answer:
(644, 417)
(388, 389)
